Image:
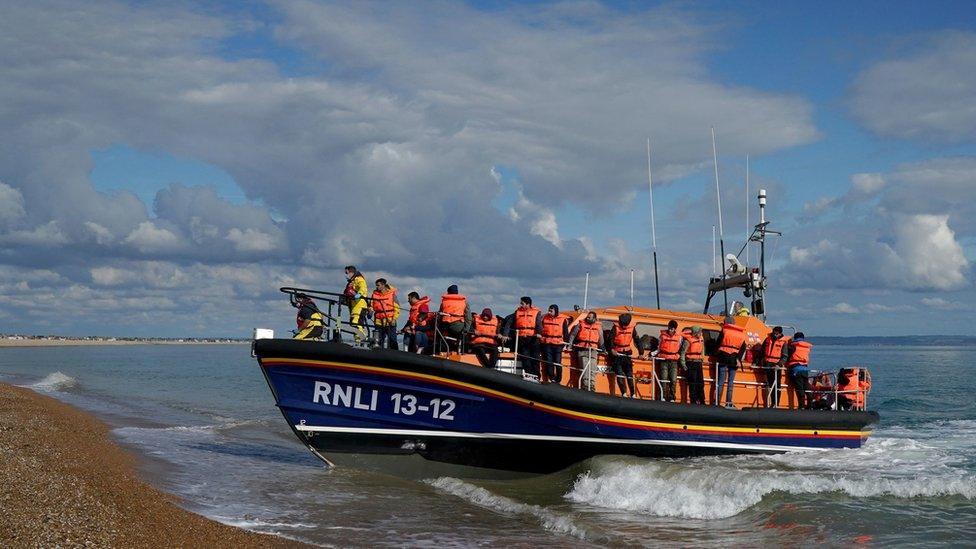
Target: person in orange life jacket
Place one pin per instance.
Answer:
(621, 338)
(415, 339)
(424, 329)
(485, 338)
(553, 337)
(668, 354)
(454, 316)
(354, 295)
(527, 323)
(823, 392)
(852, 379)
(731, 349)
(773, 361)
(798, 362)
(586, 340)
(386, 311)
(691, 355)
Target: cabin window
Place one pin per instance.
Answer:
(648, 334)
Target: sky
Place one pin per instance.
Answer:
(166, 166)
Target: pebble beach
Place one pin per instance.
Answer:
(65, 482)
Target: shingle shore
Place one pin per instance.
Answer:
(64, 482)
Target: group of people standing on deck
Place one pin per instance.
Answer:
(540, 338)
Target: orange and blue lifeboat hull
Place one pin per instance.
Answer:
(338, 398)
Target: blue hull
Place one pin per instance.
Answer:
(340, 399)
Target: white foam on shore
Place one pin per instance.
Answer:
(719, 487)
(552, 521)
(55, 381)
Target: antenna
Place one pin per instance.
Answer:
(586, 289)
(721, 231)
(631, 288)
(650, 194)
(748, 228)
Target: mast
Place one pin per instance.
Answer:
(650, 194)
(721, 230)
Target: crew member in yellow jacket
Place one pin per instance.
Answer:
(355, 293)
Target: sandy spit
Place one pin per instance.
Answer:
(64, 482)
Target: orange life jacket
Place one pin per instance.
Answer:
(484, 330)
(589, 335)
(800, 354)
(525, 321)
(732, 339)
(773, 349)
(669, 346)
(415, 310)
(696, 347)
(623, 337)
(852, 384)
(552, 329)
(453, 305)
(382, 302)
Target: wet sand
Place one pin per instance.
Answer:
(64, 482)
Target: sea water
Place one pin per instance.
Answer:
(205, 422)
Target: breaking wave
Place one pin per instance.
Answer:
(55, 381)
(718, 487)
(552, 521)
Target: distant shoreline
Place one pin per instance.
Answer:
(6, 342)
(899, 341)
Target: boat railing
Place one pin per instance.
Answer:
(361, 331)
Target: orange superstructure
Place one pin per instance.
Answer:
(749, 386)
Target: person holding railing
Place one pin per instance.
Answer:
(386, 311)
(454, 316)
(413, 339)
(731, 349)
(485, 338)
(527, 322)
(798, 363)
(691, 356)
(552, 339)
(668, 355)
(586, 341)
(308, 318)
(354, 295)
(622, 339)
(773, 360)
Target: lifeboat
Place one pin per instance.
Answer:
(341, 395)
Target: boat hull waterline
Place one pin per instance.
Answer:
(338, 398)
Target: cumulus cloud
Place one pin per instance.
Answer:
(843, 308)
(150, 239)
(905, 232)
(11, 205)
(930, 253)
(383, 159)
(927, 94)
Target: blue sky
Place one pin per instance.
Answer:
(232, 148)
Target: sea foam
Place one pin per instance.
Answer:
(719, 487)
(55, 381)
